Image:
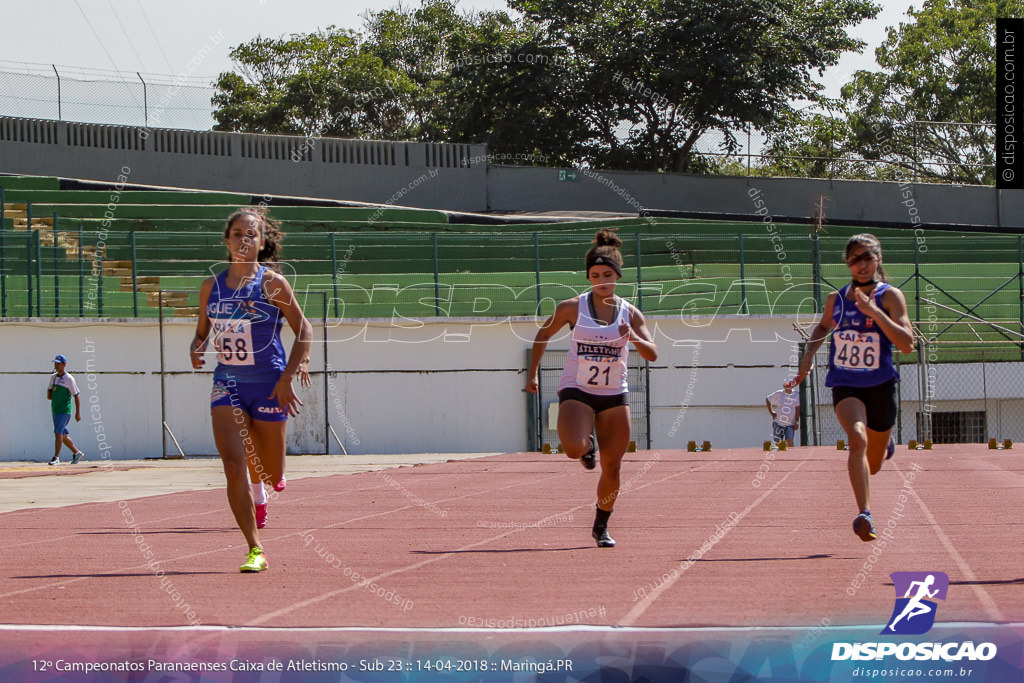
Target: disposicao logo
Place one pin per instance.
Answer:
(914, 614)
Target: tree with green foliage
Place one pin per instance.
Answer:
(939, 67)
(473, 73)
(398, 81)
(630, 84)
(323, 83)
(646, 79)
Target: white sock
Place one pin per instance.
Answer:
(259, 494)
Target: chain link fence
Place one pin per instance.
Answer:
(185, 103)
(950, 391)
(929, 151)
(95, 96)
(683, 271)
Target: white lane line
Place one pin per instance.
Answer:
(641, 606)
(422, 563)
(984, 598)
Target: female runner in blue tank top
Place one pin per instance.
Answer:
(240, 313)
(869, 317)
(592, 391)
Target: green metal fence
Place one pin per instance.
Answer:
(67, 271)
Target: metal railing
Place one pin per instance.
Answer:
(64, 270)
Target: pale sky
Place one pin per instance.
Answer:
(171, 37)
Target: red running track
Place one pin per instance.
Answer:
(505, 541)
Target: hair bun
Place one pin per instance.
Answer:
(607, 237)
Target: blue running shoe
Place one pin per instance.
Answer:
(890, 450)
(864, 527)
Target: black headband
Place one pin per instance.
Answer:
(604, 261)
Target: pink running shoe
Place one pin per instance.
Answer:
(279, 486)
(261, 515)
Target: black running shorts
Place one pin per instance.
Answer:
(879, 400)
(596, 403)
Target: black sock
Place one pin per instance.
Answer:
(601, 517)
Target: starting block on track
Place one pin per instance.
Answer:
(841, 445)
(632, 447)
(996, 446)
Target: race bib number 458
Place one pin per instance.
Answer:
(233, 340)
(856, 350)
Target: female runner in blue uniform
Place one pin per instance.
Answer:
(240, 312)
(869, 317)
(592, 391)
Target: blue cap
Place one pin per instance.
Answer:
(60, 359)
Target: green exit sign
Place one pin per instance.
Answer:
(568, 176)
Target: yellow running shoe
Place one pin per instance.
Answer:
(255, 561)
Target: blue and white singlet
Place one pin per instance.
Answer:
(246, 331)
(860, 354)
(597, 353)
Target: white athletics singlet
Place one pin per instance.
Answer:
(597, 353)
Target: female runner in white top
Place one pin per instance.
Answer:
(592, 391)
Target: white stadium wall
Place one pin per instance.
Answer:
(405, 386)
(451, 385)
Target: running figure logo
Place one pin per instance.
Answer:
(914, 613)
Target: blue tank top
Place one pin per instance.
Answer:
(860, 354)
(246, 332)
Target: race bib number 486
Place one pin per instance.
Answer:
(233, 339)
(856, 350)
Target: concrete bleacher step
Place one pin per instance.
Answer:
(185, 311)
(67, 242)
(21, 223)
(173, 300)
(121, 269)
(145, 283)
(19, 214)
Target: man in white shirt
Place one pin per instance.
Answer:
(784, 406)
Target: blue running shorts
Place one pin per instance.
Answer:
(250, 398)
